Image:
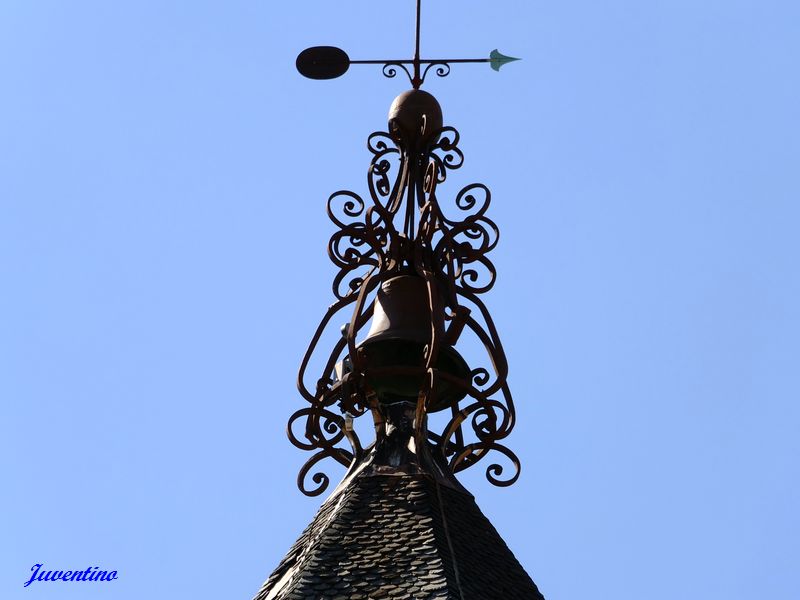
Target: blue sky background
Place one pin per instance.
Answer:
(163, 177)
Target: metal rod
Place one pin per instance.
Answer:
(419, 20)
(422, 62)
(417, 81)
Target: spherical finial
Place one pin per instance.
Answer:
(415, 116)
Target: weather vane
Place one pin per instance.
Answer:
(329, 62)
(412, 267)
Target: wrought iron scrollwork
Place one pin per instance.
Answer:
(441, 68)
(404, 225)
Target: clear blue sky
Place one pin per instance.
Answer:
(163, 177)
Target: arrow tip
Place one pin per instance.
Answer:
(497, 60)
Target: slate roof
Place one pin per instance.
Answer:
(389, 533)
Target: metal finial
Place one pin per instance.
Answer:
(412, 266)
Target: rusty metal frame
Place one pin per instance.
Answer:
(404, 225)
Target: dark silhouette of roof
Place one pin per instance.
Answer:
(399, 532)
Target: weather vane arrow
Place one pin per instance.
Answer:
(329, 62)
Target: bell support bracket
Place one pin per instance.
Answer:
(403, 229)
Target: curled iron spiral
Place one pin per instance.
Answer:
(441, 68)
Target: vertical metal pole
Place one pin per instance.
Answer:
(417, 82)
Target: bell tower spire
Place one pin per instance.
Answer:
(413, 267)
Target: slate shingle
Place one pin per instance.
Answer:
(406, 536)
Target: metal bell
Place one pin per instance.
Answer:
(400, 331)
